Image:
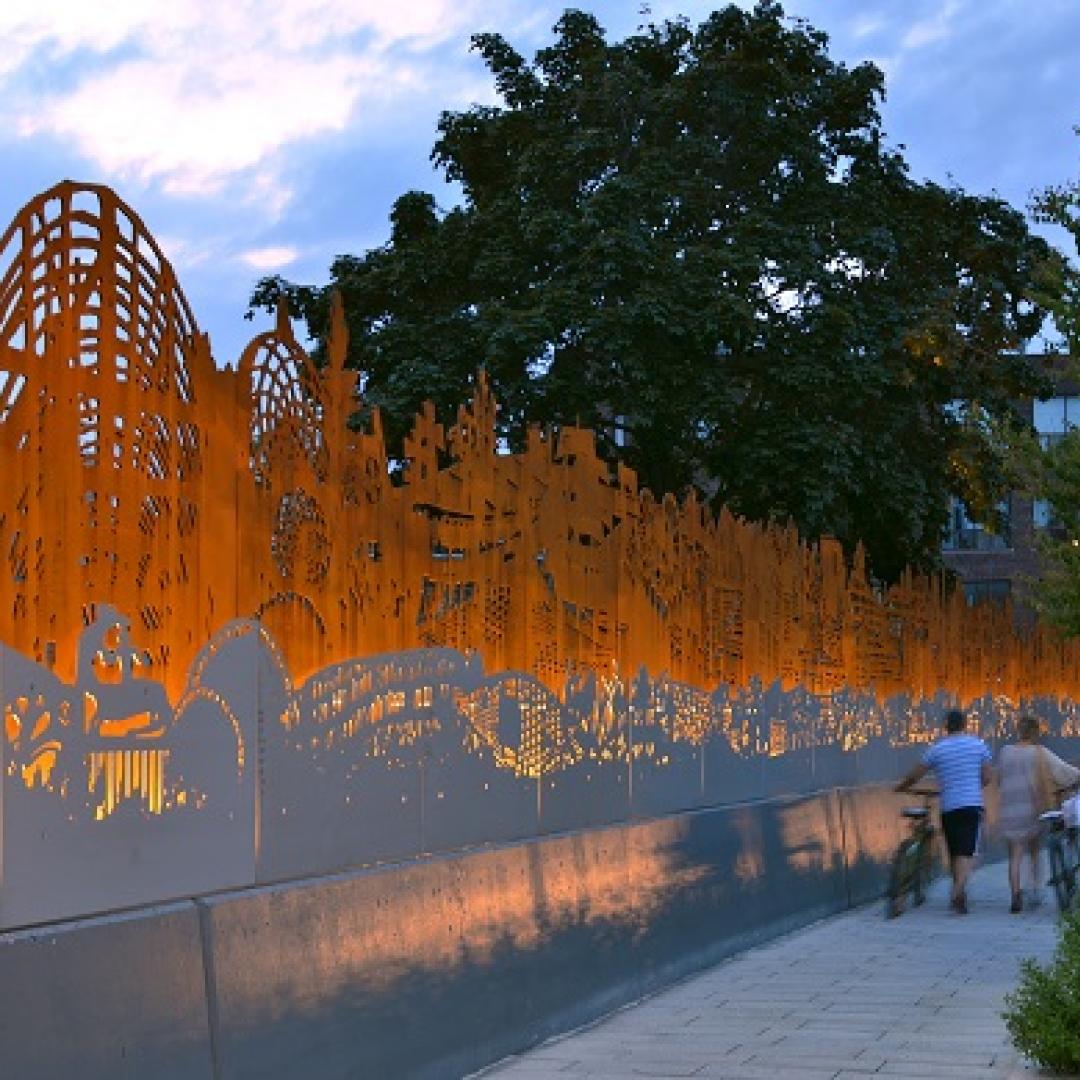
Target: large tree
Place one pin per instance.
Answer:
(696, 242)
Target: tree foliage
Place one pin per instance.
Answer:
(1057, 591)
(1060, 206)
(696, 242)
(1054, 473)
(1043, 1013)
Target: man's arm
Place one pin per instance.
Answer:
(913, 777)
(986, 775)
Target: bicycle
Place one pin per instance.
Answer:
(913, 864)
(1063, 857)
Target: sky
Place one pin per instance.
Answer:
(258, 137)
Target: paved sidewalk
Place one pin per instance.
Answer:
(918, 996)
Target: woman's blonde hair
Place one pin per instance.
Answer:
(1027, 727)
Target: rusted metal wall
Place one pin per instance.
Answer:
(136, 473)
(232, 649)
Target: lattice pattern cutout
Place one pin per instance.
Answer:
(138, 474)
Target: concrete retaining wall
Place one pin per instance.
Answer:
(120, 998)
(437, 967)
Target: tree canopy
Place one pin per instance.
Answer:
(1056, 473)
(1060, 206)
(697, 242)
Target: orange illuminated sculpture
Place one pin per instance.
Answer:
(164, 520)
(137, 473)
(216, 607)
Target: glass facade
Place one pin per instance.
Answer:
(1052, 419)
(1055, 416)
(996, 591)
(964, 534)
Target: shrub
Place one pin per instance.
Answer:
(1043, 1015)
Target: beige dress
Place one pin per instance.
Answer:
(1018, 818)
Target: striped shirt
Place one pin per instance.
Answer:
(957, 761)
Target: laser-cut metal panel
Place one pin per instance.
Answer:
(101, 433)
(218, 551)
(345, 762)
(547, 562)
(113, 796)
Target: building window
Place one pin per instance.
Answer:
(964, 534)
(1042, 514)
(1055, 416)
(994, 591)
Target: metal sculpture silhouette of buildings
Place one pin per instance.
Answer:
(139, 474)
(142, 482)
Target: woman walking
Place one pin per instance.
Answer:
(1029, 777)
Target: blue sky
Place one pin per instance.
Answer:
(256, 136)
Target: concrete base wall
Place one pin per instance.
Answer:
(438, 967)
(115, 998)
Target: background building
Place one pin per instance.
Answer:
(998, 565)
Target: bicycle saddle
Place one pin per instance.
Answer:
(915, 812)
(1052, 817)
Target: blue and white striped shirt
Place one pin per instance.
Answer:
(957, 763)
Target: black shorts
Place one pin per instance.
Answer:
(961, 829)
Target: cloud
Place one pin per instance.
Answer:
(867, 26)
(186, 254)
(269, 258)
(200, 95)
(938, 27)
(56, 28)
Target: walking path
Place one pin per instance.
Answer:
(856, 995)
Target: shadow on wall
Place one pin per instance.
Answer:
(466, 959)
(435, 967)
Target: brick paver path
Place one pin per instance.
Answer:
(856, 995)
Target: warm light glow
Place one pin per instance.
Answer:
(541, 611)
(125, 725)
(39, 770)
(487, 552)
(122, 774)
(90, 706)
(12, 725)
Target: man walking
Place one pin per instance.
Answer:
(961, 764)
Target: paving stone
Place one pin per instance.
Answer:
(850, 997)
(939, 1070)
(770, 1072)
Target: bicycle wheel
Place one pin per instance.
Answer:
(1071, 873)
(924, 873)
(901, 877)
(1072, 857)
(1059, 874)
